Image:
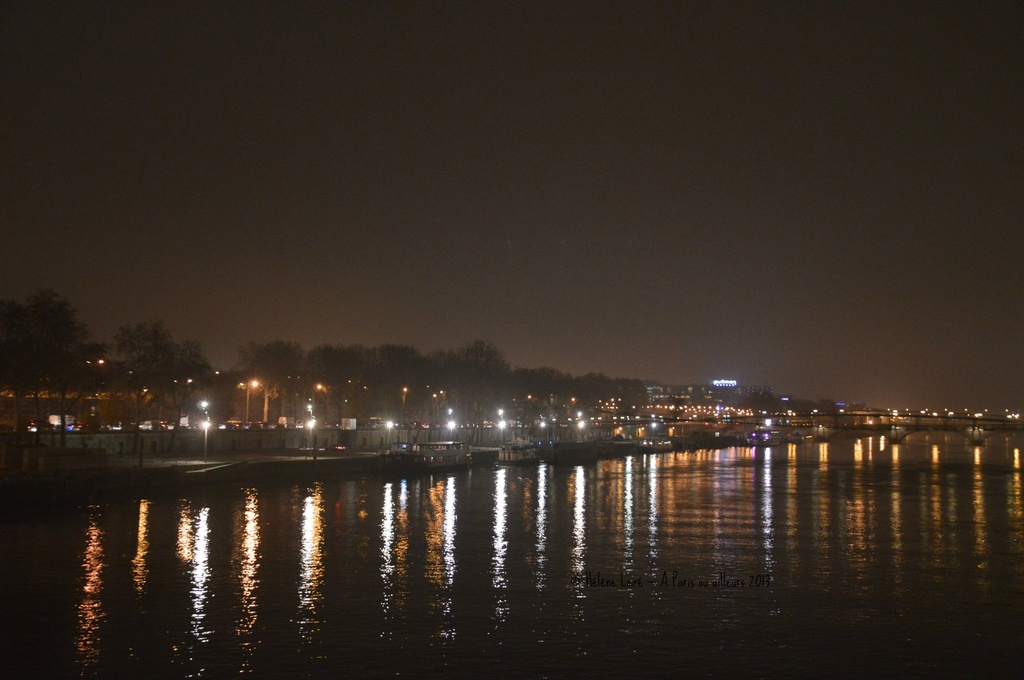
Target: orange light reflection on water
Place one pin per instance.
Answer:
(247, 561)
(139, 569)
(500, 581)
(312, 571)
(90, 609)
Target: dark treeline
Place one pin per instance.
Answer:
(50, 365)
(400, 383)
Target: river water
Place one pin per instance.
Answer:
(813, 559)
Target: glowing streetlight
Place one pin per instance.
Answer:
(206, 436)
(251, 384)
(451, 427)
(405, 393)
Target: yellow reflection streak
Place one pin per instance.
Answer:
(791, 510)
(542, 523)
(312, 571)
(139, 569)
(500, 544)
(627, 514)
(434, 536)
(897, 524)
(185, 531)
(1016, 509)
(935, 516)
(387, 546)
(448, 630)
(248, 567)
(200, 575)
(980, 533)
(90, 609)
(387, 540)
(767, 512)
(402, 542)
(449, 532)
(577, 488)
(821, 511)
(652, 507)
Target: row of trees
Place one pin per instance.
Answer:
(50, 363)
(402, 384)
(49, 359)
(46, 352)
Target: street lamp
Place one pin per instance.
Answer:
(501, 424)
(253, 384)
(405, 392)
(451, 427)
(206, 437)
(389, 425)
(320, 387)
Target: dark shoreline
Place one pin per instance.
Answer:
(32, 492)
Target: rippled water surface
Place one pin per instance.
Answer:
(851, 557)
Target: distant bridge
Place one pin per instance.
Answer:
(824, 427)
(896, 427)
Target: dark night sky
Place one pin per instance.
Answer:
(826, 198)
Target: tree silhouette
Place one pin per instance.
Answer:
(47, 353)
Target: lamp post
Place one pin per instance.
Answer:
(253, 384)
(501, 425)
(320, 387)
(206, 426)
(389, 425)
(405, 392)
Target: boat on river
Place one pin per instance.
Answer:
(764, 437)
(654, 445)
(425, 457)
(520, 452)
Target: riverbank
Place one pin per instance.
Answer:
(122, 476)
(47, 480)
